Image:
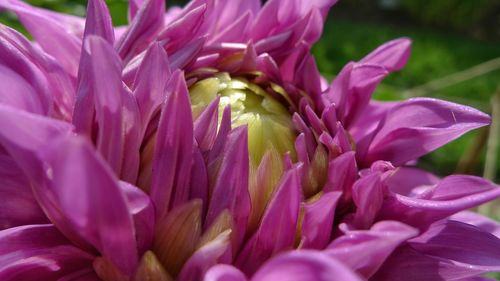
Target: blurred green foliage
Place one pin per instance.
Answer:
(455, 13)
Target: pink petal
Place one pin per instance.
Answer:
(39, 252)
(146, 23)
(231, 185)
(276, 232)
(366, 250)
(52, 36)
(318, 221)
(452, 195)
(173, 150)
(105, 68)
(304, 266)
(418, 126)
(224, 272)
(392, 55)
(89, 200)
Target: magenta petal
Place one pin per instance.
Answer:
(30, 135)
(304, 266)
(212, 253)
(224, 272)
(475, 219)
(90, 200)
(17, 92)
(368, 196)
(105, 68)
(50, 34)
(51, 83)
(318, 221)
(417, 126)
(407, 264)
(276, 232)
(39, 252)
(342, 173)
(392, 55)
(231, 186)
(146, 23)
(174, 148)
(205, 127)
(366, 250)
(98, 21)
(411, 182)
(461, 243)
(447, 251)
(18, 206)
(143, 213)
(150, 83)
(174, 35)
(453, 194)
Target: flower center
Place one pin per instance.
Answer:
(269, 122)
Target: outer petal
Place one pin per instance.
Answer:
(392, 55)
(224, 272)
(453, 194)
(318, 221)
(173, 150)
(368, 196)
(304, 266)
(277, 229)
(105, 68)
(231, 185)
(98, 23)
(150, 83)
(52, 36)
(39, 252)
(448, 251)
(18, 206)
(479, 221)
(142, 210)
(52, 85)
(418, 126)
(146, 23)
(462, 243)
(17, 92)
(206, 257)
(411, 182)
(89, 199)
(366, 250)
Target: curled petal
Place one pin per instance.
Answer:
(447, 251)
(366, 250)
(452, 195)
(224, 272)
(304, 266)
(35, 252)
(420, 125)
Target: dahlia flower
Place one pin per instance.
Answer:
(203, 144)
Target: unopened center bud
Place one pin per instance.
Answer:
(269, 122)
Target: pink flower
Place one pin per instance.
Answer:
(203, 144)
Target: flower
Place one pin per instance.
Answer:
(203, 144)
